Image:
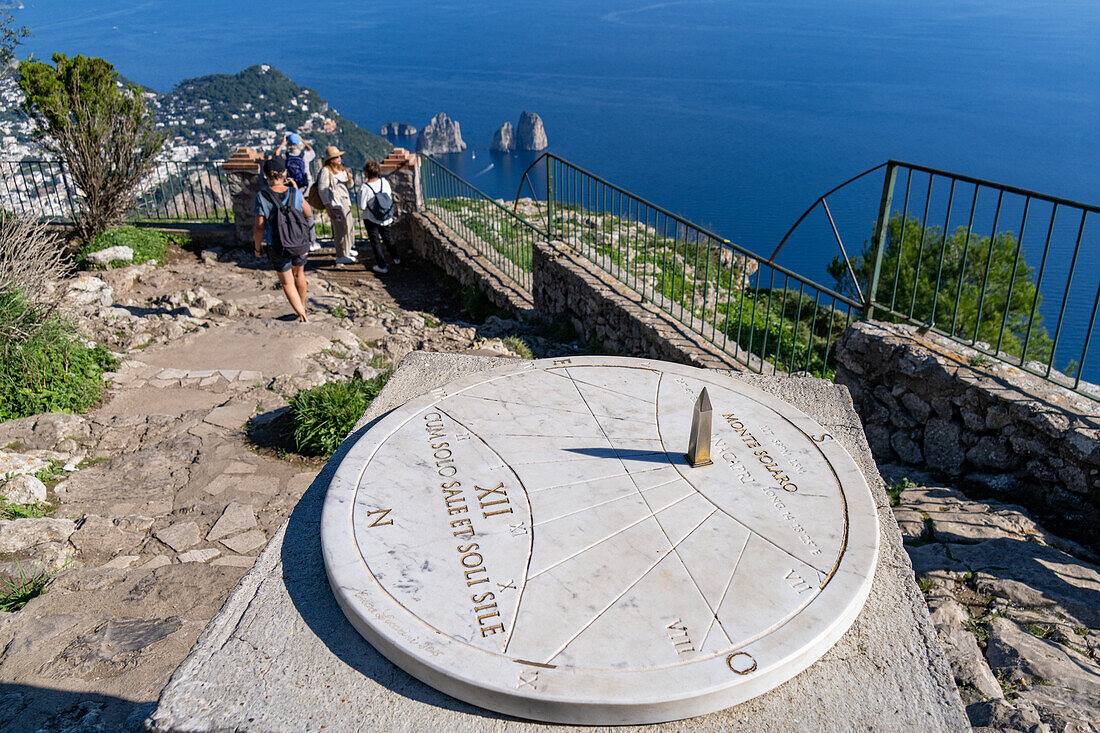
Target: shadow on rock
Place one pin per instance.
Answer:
(26, 708)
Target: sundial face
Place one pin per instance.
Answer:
(533, 540)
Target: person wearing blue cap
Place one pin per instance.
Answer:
(299, 156)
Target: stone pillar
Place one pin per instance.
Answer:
(242, 172)
(402, 169)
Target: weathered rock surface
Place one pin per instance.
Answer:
(1017, 608)
(104, 257)
(530, 134)
(23, 489)
(399, 129)
(503, 139)
(441, 135)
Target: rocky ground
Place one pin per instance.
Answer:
(1016, 608)
(163, 499)
(167, 492)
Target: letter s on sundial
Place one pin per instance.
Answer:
(534, 539)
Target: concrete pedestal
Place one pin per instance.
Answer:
(280, 655)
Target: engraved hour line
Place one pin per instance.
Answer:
(531, 534)
(722, 600)
(680, 559)
(576, 457)
(619, 597)
(593, 479)
(652, 515)
(627, 495)
(750, 529)
(574, 378)
(528, 406)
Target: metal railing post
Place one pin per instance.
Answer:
(882, 228)
(549, 198)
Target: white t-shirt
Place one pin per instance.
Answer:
(367, 192)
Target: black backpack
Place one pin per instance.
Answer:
(296, 169)
(289, 226)
(381, 206)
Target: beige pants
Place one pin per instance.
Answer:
(343, 233)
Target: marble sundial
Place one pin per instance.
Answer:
(534, 540)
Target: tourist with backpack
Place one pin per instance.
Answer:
(333, 184)
(376, 206)
(299, 157)
(282, 217)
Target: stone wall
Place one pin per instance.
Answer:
(432, 240)
(570, 287)
(926, 400)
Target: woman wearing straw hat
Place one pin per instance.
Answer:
(333, 184)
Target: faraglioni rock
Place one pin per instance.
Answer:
(530, 134)
(401, 129)
(441, 135)
(503, 139)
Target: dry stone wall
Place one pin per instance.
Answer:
(925, 400)
(568, 287)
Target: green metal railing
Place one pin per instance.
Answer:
(172, 192)
(981, 262)
(767, 317)
(496, 232)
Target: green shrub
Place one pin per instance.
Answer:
(519, 346)
(988, 277)
(147, 244)
(24, 511)
(323, 416)
(50, 370)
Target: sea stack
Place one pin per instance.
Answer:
(530, 134)
(503, 139)
(400, 129)
(441, 135)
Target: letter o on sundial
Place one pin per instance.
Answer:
(564, 562)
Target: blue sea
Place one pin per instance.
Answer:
(736, 114)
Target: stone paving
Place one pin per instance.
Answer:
(162, 504)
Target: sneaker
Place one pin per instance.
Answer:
(354, 254)
(345, 261)
(314, 247)
(380, 270)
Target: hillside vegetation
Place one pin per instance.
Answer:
(254, 107)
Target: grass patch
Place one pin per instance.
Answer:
(1081, 630)
(24, 511)
(519, 346)
(324, 415)
(14, 445)
(1043, 632)
(978, 627)
(429, 322)
(14, 594)
(380, 361)
(925, 584)
(894, 489)
(339, 312)
(147, 244)
(51, 473)
(50, 370)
